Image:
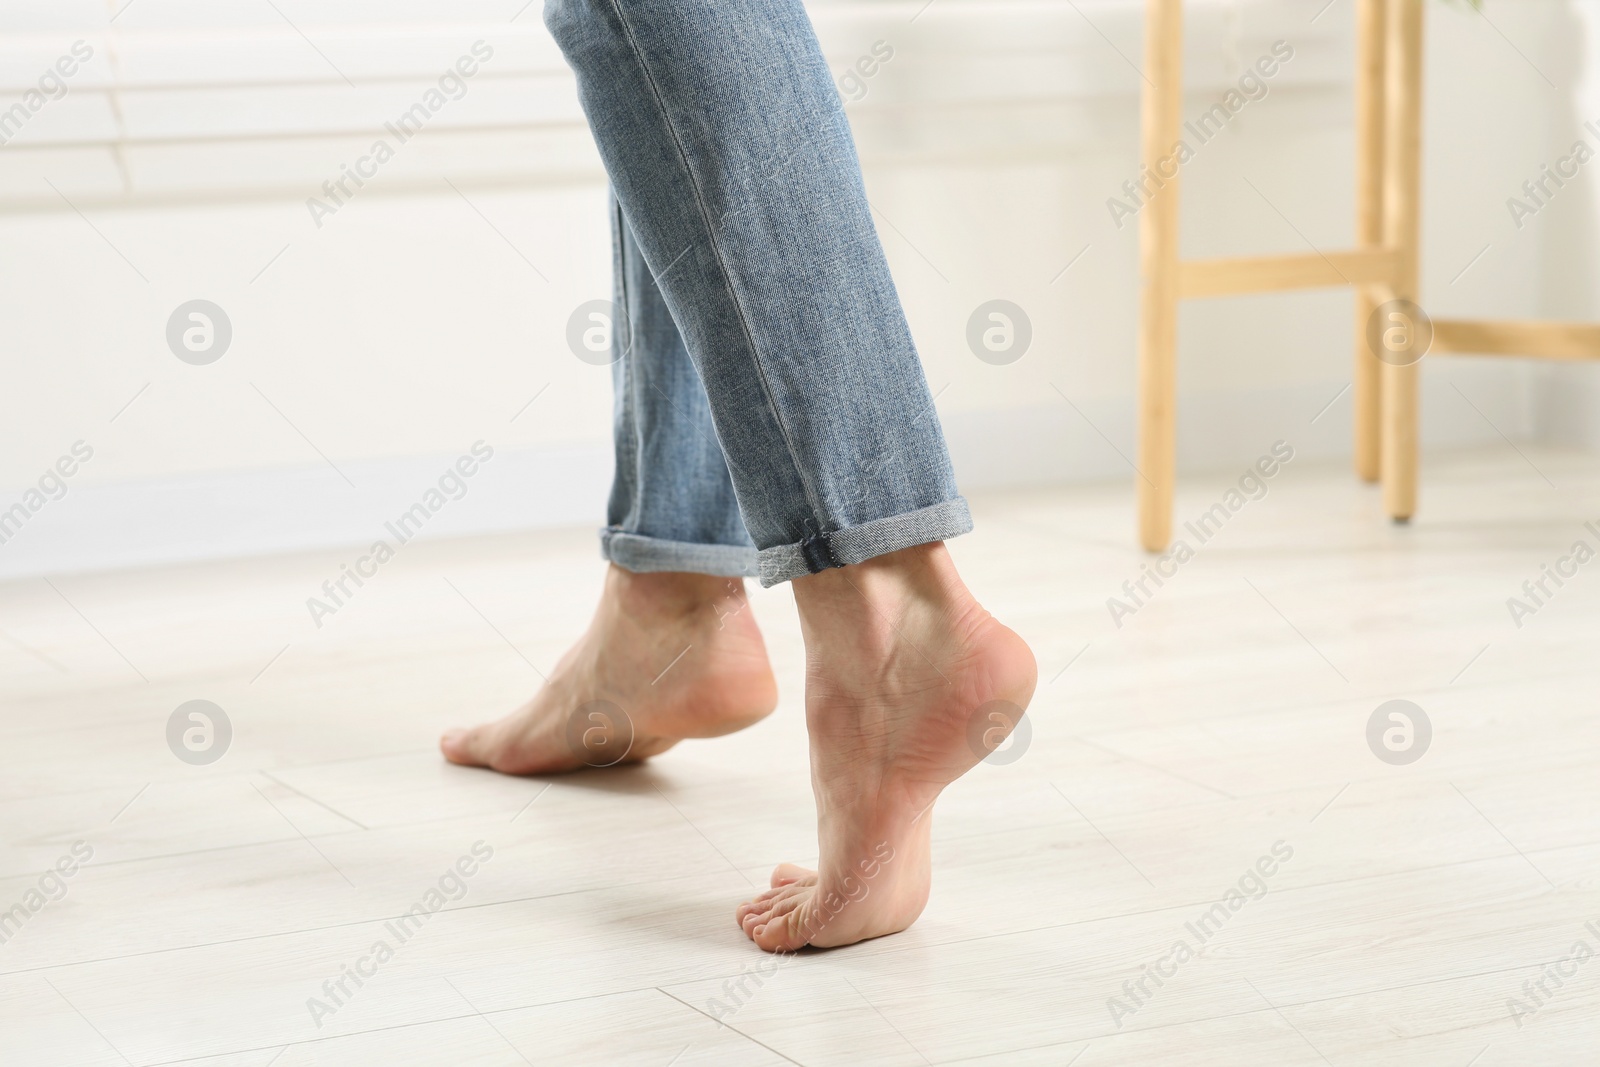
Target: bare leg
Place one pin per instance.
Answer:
(721, 683)
(899, 659)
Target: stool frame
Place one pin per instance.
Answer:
(1382, 267)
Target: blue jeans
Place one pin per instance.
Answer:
(772, 417)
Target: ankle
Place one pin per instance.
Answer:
(883, 589)
(669, 594)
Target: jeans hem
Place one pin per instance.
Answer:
(646, 555)
(857, 544)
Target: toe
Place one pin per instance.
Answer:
(783, 932)
(781, 908)
(791, 873)
(759, 903)
(466, 747)
(755, 912)
(748, 908)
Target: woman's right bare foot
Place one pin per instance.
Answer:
(666, 657)
(909, 683)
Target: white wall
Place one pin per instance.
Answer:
(407, 326)
(1568, 397)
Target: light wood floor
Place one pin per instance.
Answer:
(1167, 757)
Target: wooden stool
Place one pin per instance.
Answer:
(1382, 268)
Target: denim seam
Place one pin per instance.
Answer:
(628, 380)
(812, 498)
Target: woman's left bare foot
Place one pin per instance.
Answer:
(909, 683)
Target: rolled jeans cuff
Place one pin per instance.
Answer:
(857, 544)
(644, 555)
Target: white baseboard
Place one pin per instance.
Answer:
(261, 512)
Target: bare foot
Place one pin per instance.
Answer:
(900, 663)
(678, 654)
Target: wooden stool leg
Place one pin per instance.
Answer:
(1161, 117)
(1371, 18)
(1402, 193)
